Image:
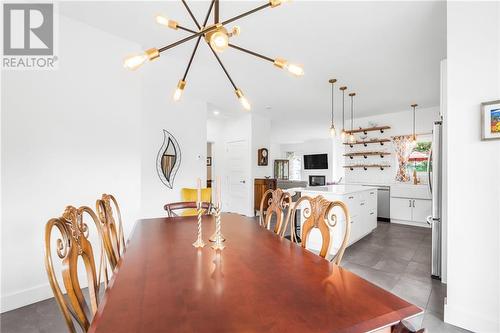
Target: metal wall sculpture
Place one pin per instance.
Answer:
(168, 159)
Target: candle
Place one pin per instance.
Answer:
(219, 187)
(199, 192)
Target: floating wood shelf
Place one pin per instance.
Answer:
(366, 166)
(370, 129)
(366, 143)
(365, 154)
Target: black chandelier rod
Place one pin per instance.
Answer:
(216, 12)
(251, 52)
(246, 13)
(199, 37)
(191, 13)
(223, 67)
(207, 29)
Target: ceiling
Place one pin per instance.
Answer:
(387, 52)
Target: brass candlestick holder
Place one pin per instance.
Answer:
(218, 239)
(199, 243)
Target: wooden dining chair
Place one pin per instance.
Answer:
(191, 195)
(71, 245)
(318, 212)
(405, 327)
(111, 229)
(278, 202)
(175, 206)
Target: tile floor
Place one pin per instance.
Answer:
(394, 257)
(398, 258)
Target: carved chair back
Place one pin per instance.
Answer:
(318, 212)
(278, 201)
(71, 245)
(112, 229)
(172, 207)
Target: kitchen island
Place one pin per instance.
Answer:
(361, 202)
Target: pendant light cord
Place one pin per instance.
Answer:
(343, 104)
(414, 122)
(332, 103)
(352, 112)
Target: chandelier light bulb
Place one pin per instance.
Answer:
(219, 41)
(275, 3)
(333, 132)
(135, 61)
(295, 69)
(179, 90)
(162, 20)
(235, 31)
(243, 100)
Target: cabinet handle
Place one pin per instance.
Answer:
(372, 192)
(352, 221)
(409, 201)
(413, 203)
(372, 213)
(350, 197)
(362, 204)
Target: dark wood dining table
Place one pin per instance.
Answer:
(258, 283)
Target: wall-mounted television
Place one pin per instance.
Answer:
(316, 161)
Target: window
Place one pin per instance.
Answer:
(419, 156)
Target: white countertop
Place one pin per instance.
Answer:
(333, 189)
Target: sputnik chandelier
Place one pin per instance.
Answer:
(217, 38)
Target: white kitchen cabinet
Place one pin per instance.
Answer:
(401, 209)
(421, 210)
(410, 204)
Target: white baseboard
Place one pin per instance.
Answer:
(412, 223)
(25, 297)
(472, 321)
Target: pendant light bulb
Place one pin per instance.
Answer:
(243, 100)
(343, 135)
(219, 40)
(333, 132)
(136, 61)
(162, 20)
(179, 90)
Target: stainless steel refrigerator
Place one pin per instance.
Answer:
(434, 171)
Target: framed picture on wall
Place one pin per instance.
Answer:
(490, 120)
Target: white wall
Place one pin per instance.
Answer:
(473, 189)
(186, 121)
(222, 132)
(68, 136)
(401, 124)
(261, 138)
(320, 146)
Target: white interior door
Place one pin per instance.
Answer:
(238, 177)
